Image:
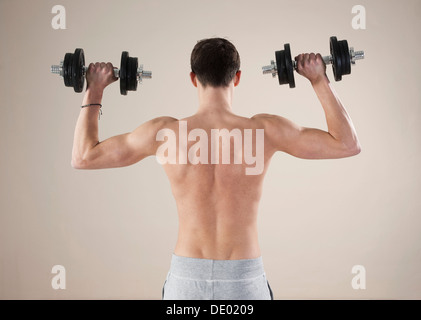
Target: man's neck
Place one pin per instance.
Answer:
(215, 99)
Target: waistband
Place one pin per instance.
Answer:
(208, 269)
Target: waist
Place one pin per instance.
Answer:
(210, 269)
(218, 243)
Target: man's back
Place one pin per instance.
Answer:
(218, 203)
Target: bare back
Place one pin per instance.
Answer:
(217, 203)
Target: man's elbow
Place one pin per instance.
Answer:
(78, 164)
(358, 149)
(354, 149)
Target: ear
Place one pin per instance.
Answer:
(237, 78)
(193, 78)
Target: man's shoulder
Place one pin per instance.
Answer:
(269, 118)
(164, 119)
(154, 125)
(265, 119)
(161, 122)
(263, 116)
(273, 124)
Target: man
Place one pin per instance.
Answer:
(217, 254)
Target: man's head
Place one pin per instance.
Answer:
(215, 62)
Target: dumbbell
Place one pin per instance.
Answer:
(341, 58)
(73, 71)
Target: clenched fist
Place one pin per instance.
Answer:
(100, 75)
(311, 66)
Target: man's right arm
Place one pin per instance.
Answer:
(125, 149)
(340, 141)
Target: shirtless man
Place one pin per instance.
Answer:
(217, 254)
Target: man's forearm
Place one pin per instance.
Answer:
(86, 131)
(339, 123)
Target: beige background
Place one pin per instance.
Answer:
(114, 230)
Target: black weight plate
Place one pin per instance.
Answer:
(289, 67)
(346, 57)
(343, 58)
(135, 67)
(281, 67)
(340, 56)
(77, 70)
(132, 74)
(123, 72)
(67, 69)
(336, 56)
(128, 68)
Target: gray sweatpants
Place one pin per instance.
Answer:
(205, 279)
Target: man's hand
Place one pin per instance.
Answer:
(100, 75)
(311, 66)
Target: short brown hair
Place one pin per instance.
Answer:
(215, 62)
